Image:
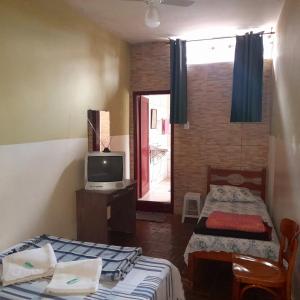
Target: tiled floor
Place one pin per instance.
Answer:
(160, 192)
(168, 240)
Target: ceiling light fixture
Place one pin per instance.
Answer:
(152, 16)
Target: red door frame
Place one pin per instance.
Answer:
(150, 205)
(144, 184)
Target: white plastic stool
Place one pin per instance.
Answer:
(187, 212)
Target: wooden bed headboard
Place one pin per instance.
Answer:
(253, 180)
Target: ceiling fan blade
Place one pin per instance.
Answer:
(184, 3)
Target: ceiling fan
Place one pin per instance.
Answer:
(152, 18)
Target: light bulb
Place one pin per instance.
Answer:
(152, 17)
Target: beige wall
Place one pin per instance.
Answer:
(211, 139)
(285, 131)
(54, 65)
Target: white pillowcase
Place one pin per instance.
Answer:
(241, 194)
(229, 193)
(220, 193)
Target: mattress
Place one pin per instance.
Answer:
(148, 277)
(263, 249)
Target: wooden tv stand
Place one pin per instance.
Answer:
(92, 223)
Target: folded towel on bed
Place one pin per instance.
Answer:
(28, 265)
(201, 228)
(231, 221)
(76, 277)
(118, 261)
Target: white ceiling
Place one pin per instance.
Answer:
(205, 18)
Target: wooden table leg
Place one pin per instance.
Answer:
(191, 270)
(235, 290)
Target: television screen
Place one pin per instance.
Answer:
(105, 168)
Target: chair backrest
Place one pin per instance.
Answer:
(290, 231)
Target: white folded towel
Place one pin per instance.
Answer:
(28, 265)
(76, 277)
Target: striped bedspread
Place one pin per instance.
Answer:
(117, 260)
(147, 278)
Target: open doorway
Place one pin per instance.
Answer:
(153, 151)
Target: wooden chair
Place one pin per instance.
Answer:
(273, 277)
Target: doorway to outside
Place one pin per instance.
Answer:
(153, 151)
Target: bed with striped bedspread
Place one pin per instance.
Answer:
(126, 273)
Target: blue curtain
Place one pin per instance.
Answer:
(178, 111)
(247, 79)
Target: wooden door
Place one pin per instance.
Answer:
(144, 146)
(138, 114)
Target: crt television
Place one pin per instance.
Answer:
(104, 170)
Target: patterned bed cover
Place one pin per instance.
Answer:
(264, 249)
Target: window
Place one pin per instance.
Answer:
(220, 50)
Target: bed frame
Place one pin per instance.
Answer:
(253, 180)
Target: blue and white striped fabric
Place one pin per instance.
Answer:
(149, 278)
(117, 260)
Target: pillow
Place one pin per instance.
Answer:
(229, 193)
(220, 193)
(241, 194)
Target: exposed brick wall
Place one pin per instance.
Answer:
(150, 66)
(211, 139)
(150, 71)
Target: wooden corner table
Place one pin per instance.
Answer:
(91, 205)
